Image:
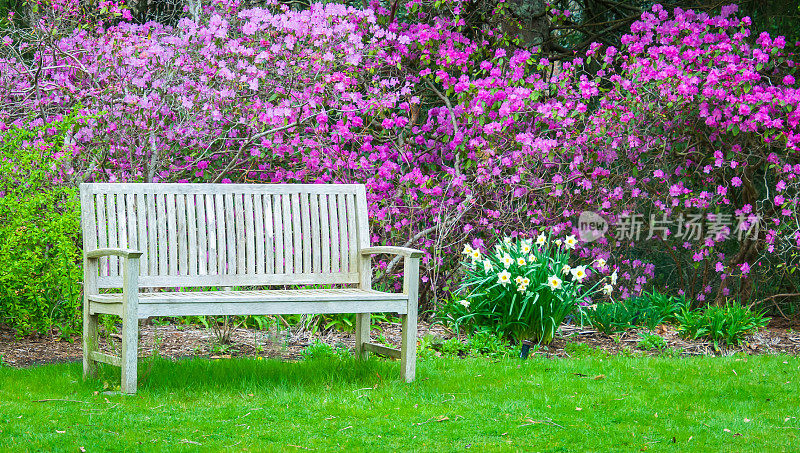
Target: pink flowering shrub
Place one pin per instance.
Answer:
(456, 140)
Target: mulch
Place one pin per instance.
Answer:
(178, 341)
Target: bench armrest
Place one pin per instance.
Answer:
(405, 252)
(123, 253)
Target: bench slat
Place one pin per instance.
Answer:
(222, 250)
(277, 212)
(191, 233)
(325, 236)
(183, 242)
(351, 233)
(288, 252)
(316, 249)
(260, 254)
(230, 230)
(305, 221)
(241, 237)
(102, 232)
(277, 295)
(269, 233)
(333, 214)
(172, 235)
(111, 218)
(202, 236)
(249, 233)
(297, 244)
(140, 209)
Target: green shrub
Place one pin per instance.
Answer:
(523, 290)
(40, 256)
(654, 308)
(320, 350)
(610, 317)
(651, 342)
(728, 324)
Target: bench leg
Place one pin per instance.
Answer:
(362, 334)
(90, 344)
(130, 340)
(408, 351)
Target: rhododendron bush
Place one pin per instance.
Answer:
(458, 140)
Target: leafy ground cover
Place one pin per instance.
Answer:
(589, 402)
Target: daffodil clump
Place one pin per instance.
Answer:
(525, 288)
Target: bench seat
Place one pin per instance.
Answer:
(276, 302)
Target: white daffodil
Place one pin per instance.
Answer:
(570, 242)
(558, 242)
(554, 282)
(467, 250)
(503, 277)
(507, 240)
(518, 280)
(507, 261)
(600, 263)
(476, 255)
(521, 261)
(607, 289)
(541, 239)
(522, 288)
(525, 246)
(614, 278)
(526, 281)
(487, 266)
(579, 273)
(464, 302)
(532, 258)
(565, 270)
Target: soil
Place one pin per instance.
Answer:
(177, 341)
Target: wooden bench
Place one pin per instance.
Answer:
(240, 239)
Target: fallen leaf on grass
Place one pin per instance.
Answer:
(747, 420)
(578, 408)
(187, 441)
(442, 418)
(599, 376)
(60, 432)
(726, 430)
(83, 450)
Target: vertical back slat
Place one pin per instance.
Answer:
(343, 247)
(241, 242)
(152, 235)
(351, 232)
(132, 223)
(172, 234)
(316, 249)
(249, 233)
(288, 252)
(122, 224)
(277, 213)
(260, 239)
(231, 233)
(222, 254)
(102, 231)
(111, 216)
(333, 216)
(325, 231)
(202, 236)
(211, 222)
(297, 244)
(305, 221)
(141, 223)
(269, 233)
(191, 232)
(161, 220)
(183, 243)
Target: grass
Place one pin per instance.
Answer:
(591, 402)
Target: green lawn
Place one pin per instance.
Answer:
(589, 403)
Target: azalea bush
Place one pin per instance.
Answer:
(525, 288)
(459, 136)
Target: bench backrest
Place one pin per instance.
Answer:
(228, 234)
